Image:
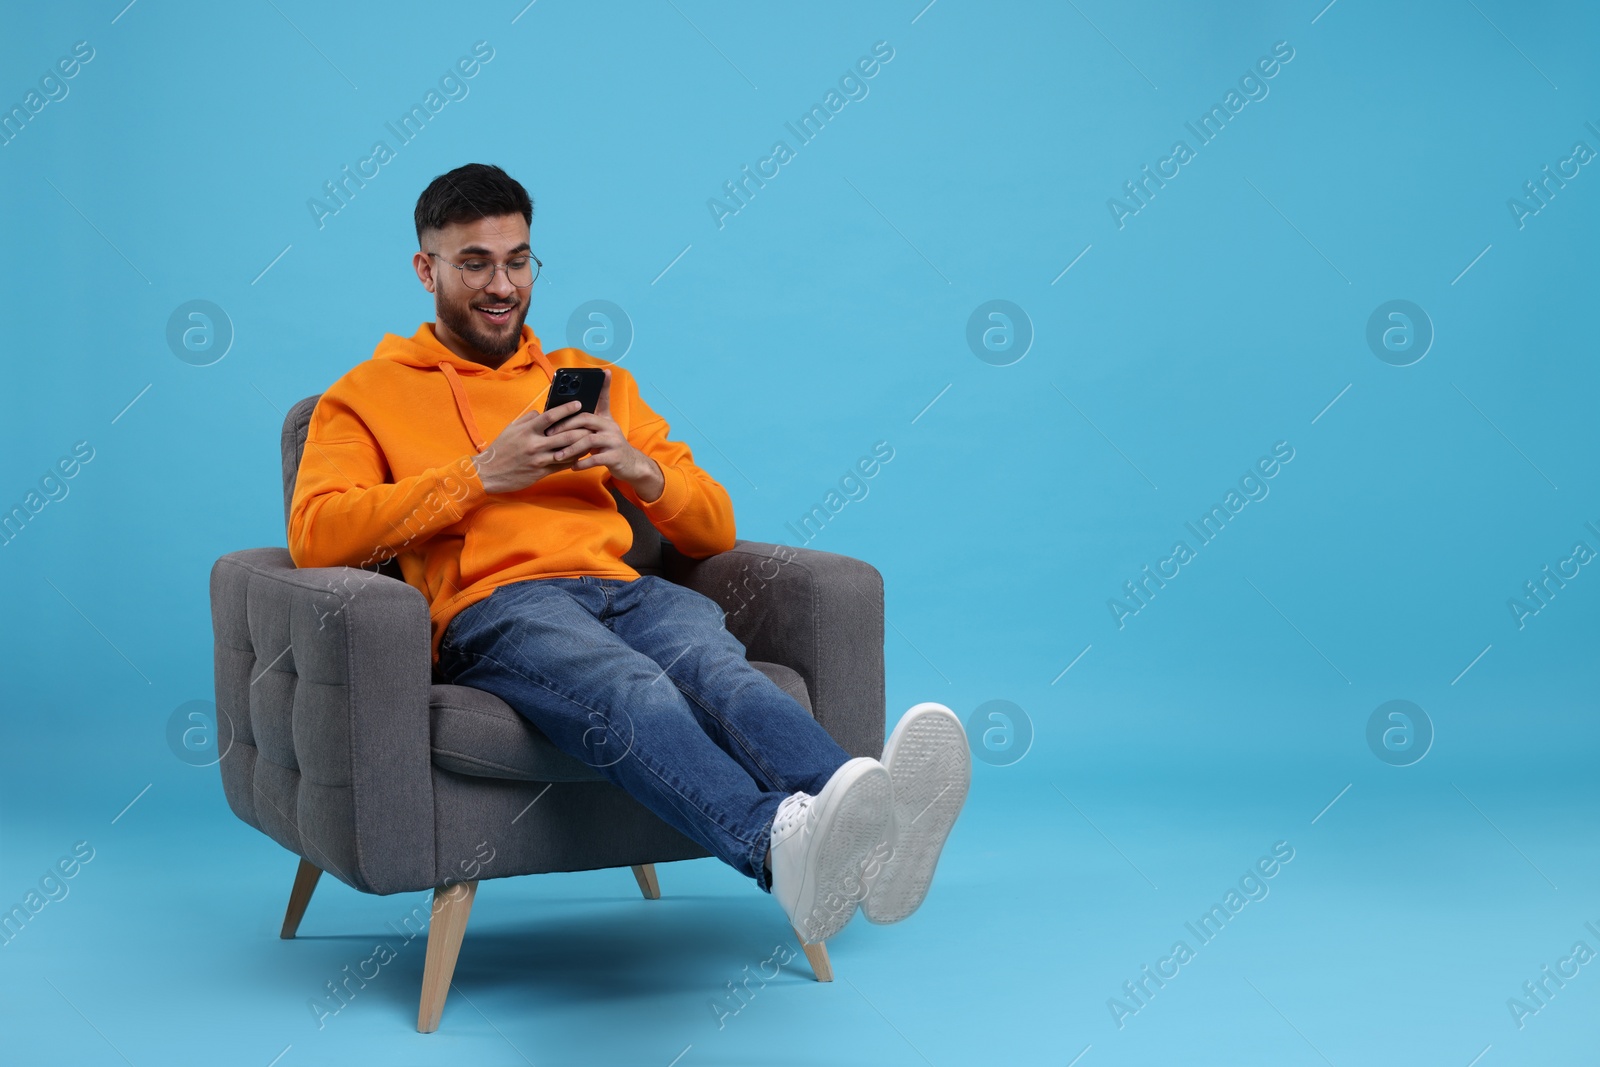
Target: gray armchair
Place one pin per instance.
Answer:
(346, 752)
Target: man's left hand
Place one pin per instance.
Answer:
(603, 445)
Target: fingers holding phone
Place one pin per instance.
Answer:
(529, 448)
(575, 431)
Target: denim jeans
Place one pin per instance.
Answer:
(642, 681)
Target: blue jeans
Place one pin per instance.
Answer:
(642, 681)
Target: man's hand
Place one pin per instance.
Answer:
(523, 453)
(601, 444)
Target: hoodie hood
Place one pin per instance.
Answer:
(425, 351)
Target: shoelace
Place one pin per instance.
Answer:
(791, 809)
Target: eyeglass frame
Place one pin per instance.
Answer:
(497, 267)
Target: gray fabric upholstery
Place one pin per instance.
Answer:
(477, 734)
(292, 445)
(538, 827)
(344, 751)
(322, 675)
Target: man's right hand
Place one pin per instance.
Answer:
(522, 454)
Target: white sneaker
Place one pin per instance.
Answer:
(822, 844)
(930, 768)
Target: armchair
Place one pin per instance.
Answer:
(347, 752)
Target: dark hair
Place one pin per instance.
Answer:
(467, 194)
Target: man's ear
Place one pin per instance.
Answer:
(422, 263)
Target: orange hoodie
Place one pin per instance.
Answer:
(387, 470)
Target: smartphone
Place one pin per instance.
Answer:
(582, 384)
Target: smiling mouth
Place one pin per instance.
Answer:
(499, 314)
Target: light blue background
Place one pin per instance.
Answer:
(824, 317)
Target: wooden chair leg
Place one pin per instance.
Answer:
(817, 956)
(305, 882)
(645, 875)
(451, 906)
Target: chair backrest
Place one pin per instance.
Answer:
(644, 556)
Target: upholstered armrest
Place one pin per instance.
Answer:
(817, 613)
(323, 676)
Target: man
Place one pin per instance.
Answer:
(438, 451)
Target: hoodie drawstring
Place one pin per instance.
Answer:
(463, 407)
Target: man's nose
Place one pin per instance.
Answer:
(501, 285)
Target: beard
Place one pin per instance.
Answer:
(491, 342)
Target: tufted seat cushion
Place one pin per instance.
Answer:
(476, 733)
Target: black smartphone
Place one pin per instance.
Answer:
(582, 384)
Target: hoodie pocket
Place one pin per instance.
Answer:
(477, 548)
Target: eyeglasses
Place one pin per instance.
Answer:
(521, 272)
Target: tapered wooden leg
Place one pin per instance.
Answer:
(645, 875)
(305, 882)
(451, 907)
(817, 956)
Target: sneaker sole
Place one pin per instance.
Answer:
(930, 769)
(853, 828)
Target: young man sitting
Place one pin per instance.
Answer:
(438, 450)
